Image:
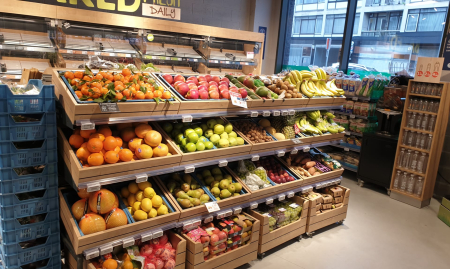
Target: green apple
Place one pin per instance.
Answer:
(190, 147)
(233, 141)
(188, 131)
(210, 123)
(184, 142)
(215, 139)
(168, 127)
(203, 139)
(179, 138)
(232, 134)
(224, 135)
(220, 121)
(178, 126)
(199, 131)
(218, 129)
(209, 145)
(200, 146)
(223, 143)
(240, 141)
(228, 128)
(209, 133)
(204, 127)
(193, 137)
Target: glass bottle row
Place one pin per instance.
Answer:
(408, 183)
(414, 161)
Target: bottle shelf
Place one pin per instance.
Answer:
(406, 194)
(413, 148)
(410, 171)
(423, 112)
(424, 95)
(418, 130)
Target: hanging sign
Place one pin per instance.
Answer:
(429, 69)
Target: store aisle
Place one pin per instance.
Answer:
(379, 232)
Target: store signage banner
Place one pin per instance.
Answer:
(163, 9)
(429, 69)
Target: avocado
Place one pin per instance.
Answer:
(241, 79)
(262, 91)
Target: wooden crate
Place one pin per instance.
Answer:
(320, 220)
(207, 155)
(232, 259)
(339, 100)
(87, 174)
(270, 239)
(178, 243)
(76, 111)
(320, 101)
(278, 103)
(81, 243)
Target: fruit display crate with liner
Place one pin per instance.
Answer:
(268, 238)
(76, 111)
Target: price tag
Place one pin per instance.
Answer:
(196, 223)
(276, 113)
(254, 114)
(105, 249)
(306, 149)
(304, 190)
(189, 169)
(187, 225)
(128, 242)
(228, 213)
(250, 54)
(255, 158)
(291, 112)
(269, 201)
(84, 52)
(212, 207)
(93, 187)
(69, 51)
(352, 116)
(146, 237)
(296, 140)
(290, 194)
(294, 151)
(355, 98)
(187, 118)
(281, 197)
(87, 125)
(223, 163)
(141, 178)
(237, 100)
(208, 219)
(220, 215)
(195, 60)
(96, 53)
(91, 254)
(346, 149)
(266, 113)
(109, 107)
(284, 113)
(280, 153)
(294, 205)
(237, 210)
(158, 234)
(347, 133)
(253, 205)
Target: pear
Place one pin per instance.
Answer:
(171, 185)
(185, 203)
(206, 173)
(223, 185)
(201, 191)
(176, 177)
(215, 184)
(176, 191)
(218, 198)
(216, 171)
(225, 193)
(187, 178)
(231, 188)
(209, 180)
(185, 187)
(199, 176)
(208, 188)
(196, 202)
(236, 194)
(204, 198)
(194, 186)
(228, 177)
(182, 195)
(237, 187)
(218, 177)
(215, 191)
(194, 194)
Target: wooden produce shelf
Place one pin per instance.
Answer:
(281, 104)
(270, 239)
(320, 220)
(91, 111)
(420, 111)
(406, 194)
(83, 242)
(88, 174)
(339, 100)
(320, 101)
(425, 95)
(231, 259)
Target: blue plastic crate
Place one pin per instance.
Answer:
(48, 263)
(21, 198)
(45, 153)
(12, 173)
(28, 184)
(38, 206)
(12, 130)
(34, 231)
(15, 248)
(40, 103)
(20, 257)
(28, 222)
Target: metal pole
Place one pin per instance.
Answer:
(348, 34)
(282, 30)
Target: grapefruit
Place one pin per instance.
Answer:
(102, 201)
(92, 223)
(134, 143)
(80, 208)
(153, 138)
(116, 202)
(110, 264)
(161, 150)
(83, 193)
(144, 152)
(116, 218)
(142, 129)
(127, 134)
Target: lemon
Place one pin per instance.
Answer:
(144, 185)
(125, 192)
(133, 187)
(157, 201)
(149, 192)
(137, 206)
(153, 213)
(140, 215)
(131, 210)
(146, 204)
(162, 210)
(139, 196)
(131, 200)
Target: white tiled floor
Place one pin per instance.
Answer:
(379, 232)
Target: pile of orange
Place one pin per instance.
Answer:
(128, 142)
(120, 86)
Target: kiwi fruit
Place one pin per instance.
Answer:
(288, 95)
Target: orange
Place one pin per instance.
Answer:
(97, 135)
(110, 264)
(69, 75)
(96, 85)
(75, 81)
(78, 94)
(94, 145)
(83, 154)
(119, 141)
(126, 72)
(157, 93)
(98, 76)
(87, 78)
(104, 91)
(127, 134)
(125, 155)
(110, 143)
(85, 90)
(105, 130)
(134, 143)
(160, 151)
(117, 83)
(153, 138)
(95, 159)
(87, 133)
(118, 77)
(142, 129)
(166, 95)
(149, 95)
(122, 126)
(102, 152)
(78, 74)
(83, 193)
(144, 152)
(78, 209)
(126, 93)
(109, 76)
(119, 96)
(76, 141)
(102, 201)
(140, 95)
(76, 131)
(117, 149)
(111, 156)
(127, 265)
(93, 223)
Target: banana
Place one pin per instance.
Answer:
(332, 129)
(334, 92)
(340, 129)
(305, 91)
(307, 75)
(294, 77)
(318, 73)
(313, 88)
(330, 116)
(324, 74)
(314, 78)
(299, 75)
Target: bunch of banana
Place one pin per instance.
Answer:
(314, 115)
(305, 126)
(331, 122)
(322, 125)
(327, 115)
(331, 84)
(320, 85)
(321, 73)
(305, 89)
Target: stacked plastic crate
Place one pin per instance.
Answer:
(29, 208)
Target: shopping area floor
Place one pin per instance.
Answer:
(379, 232)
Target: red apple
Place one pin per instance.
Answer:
(222, 235)
(225, 94)
(168, 78)
(192, 94)
(214, 238)
(216, 231)
(208, 78)
(179, 78)
(202, 87)
(177, 82)
(213, 83)
(243, 92)
(201, 78)
(182, 88)
(193, 79)
(222, 245)
(225, 79)
(234, 89)
(223, 83)
(223, 87)
(216, 79)
(213, 88)
(204, 83)
(192, 86)
(214, 95)
(204, 239)
(203, 94)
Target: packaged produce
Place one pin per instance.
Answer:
(365, 109)
(349, 106)
(275, 171)
(254, 178)
(357, 108)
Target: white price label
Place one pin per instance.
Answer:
(296, 140)
(294, 205)
(189, 169)
(281, 197)
(88, 126)
(141, 178)
(220, 215)
(254, 114)
(284, 113)
(237, 210)
(266, 113)
(355, 98)
(146, 237)
(158, 234)
(195, 60)
(269, 201)
(290, 194)
(291, 112)
(84, 52)
(294, 151)
(196, 223)
(280, 153)
(306, 149)
(346, 149)
(228, 213)
(187, 225)
(253, 205)
(93, 187)
(69, 51)
(128, 242)
(237, 100)
(212, 207)
(347, 133)
(187, 118)
(276, 113)
(208, 219)
(352, 116)
(223, 163)
(105, 249)
(91, 254)
(255, 158)
(96, 53)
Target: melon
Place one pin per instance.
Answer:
(264, 123)
(116, 218)
(270, 130)
(102, 201)
(80, 208)
(279, 136)
(153, 138)
(92, 223)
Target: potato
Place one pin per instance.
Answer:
(305, 160)
(310, 164)
(316, 174)
(312, 170)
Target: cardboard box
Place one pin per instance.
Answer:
(338, 205)
(446, 202)
(326, 206)
(444, 214)
(318, 207)
(327, 199)
(337, 200)
(335, 191)
(316, 196)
